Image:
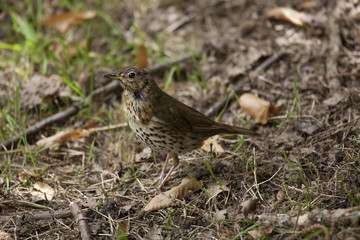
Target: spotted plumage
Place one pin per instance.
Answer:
(162, 122)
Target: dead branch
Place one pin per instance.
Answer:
(71, 111)
(81, 220)
(317, 216)
(62, 213)
(25, 203)
(164, 65)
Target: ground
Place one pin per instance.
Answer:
(299, 179)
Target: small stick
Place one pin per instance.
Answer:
(81, 220)
(62, 213)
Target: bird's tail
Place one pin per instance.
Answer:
(224, 128)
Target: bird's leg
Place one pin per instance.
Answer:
(175, 164)
(163, 172)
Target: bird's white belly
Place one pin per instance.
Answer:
(156, 135)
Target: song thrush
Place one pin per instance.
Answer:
(162, 122)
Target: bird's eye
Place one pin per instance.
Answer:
(131, 75)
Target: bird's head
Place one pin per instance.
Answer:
(132, 79)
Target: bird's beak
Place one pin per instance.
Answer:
(114, 76)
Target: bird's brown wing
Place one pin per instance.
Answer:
(182, 117)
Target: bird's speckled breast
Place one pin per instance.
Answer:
(154, 132)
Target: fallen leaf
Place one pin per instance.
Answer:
(6, 236)
(286, 14)
(141, 56)
(60, 138)
(277, 109)
(25, 175)
(211, 144)
(68, 135)
(258, 108)
(310, 4)
(126, 208)
(334, 99)
(90, 202)
(186, 187)
(314, 23)
(64, 21)
(260, 231)
(154, 232)
(48, 191)
(249, 206)
(307, 127)
(227, 234)
(215, 188)
(144, 154)
(39, 90)
(123, 227)
(69, 51)
(220, 214)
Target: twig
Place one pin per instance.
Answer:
(220, 104)
(81, 221)
(164, 65)
(62, 213)
(190, 16)
(40, 125)
(186, 19)
(321, 216)
(25, 203)
(71, 111)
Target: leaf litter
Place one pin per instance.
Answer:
(314, 141)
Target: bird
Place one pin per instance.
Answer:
(162, 122)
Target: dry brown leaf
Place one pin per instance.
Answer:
(6, 236)
(227, 234)
(286, 14)
(155, 232)
(334, 99)
(257, 108)
(310, 4)
(260, 231)
(277, 109)
(211, 144)
(60, 138)
(39, 89)
(68, 135)
(48, 192)
(34, 195)
(25, 175)
(141, 56)
(214, 188)
(69, 52)
(123, 227)
(90, 202)
(144, 154)
(220, 214)
(307, 127)
(89, 125)
(186, 187)
(249, 206)
(64, 21)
